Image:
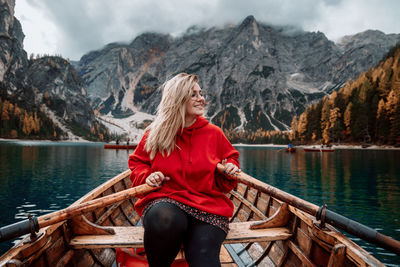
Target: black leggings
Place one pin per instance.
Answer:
(167, 228)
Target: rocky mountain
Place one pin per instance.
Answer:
(256, 75)
(61, 93)
(45, 92)
(13, 59)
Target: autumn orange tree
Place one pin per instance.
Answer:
(364, 110)
(17, 122)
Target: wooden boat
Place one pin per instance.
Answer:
(316, 149)
(269, 227)
(115, 146)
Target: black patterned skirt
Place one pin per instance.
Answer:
(213, 219)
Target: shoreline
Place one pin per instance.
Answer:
(338, 147)
(48, 141)
(359, 147)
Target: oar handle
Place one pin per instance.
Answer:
(362, 231)
(19, 228)
(352, 227)
(34, 224)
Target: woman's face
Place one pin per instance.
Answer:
(195, 105)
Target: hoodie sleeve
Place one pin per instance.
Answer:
(139, 163)
(228, 152)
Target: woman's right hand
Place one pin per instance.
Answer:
(156, 179)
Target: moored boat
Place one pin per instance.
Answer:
(115, 146)
(285, 231)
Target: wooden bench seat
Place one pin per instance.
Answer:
(132, 236)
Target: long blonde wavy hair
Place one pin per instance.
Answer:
(170, 117)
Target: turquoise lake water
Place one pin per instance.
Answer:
(364, 185)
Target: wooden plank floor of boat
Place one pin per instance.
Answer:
(133, 236)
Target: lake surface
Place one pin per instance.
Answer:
(364, 185)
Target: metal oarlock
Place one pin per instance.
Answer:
(34, 227)
(321, 215)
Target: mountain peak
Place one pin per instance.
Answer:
(150, 39)
(248, 21)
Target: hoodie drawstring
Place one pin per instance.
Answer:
(190, 146)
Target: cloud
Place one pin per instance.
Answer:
(41, 34)
(75, 27)
(350, 17)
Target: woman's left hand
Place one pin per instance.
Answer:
(230, 168)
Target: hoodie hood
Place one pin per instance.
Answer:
(199, 123)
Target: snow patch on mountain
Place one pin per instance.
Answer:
(299, 82)
(132, 127)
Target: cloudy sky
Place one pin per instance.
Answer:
(72, 28)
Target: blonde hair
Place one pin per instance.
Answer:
(170, 117)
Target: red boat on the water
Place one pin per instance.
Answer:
(115, 146)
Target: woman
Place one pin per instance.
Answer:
(180, 151)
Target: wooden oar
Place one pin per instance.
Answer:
(33, 224)
(352, 227)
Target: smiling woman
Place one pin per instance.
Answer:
(180, 152)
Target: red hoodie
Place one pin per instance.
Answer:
(192, 169)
